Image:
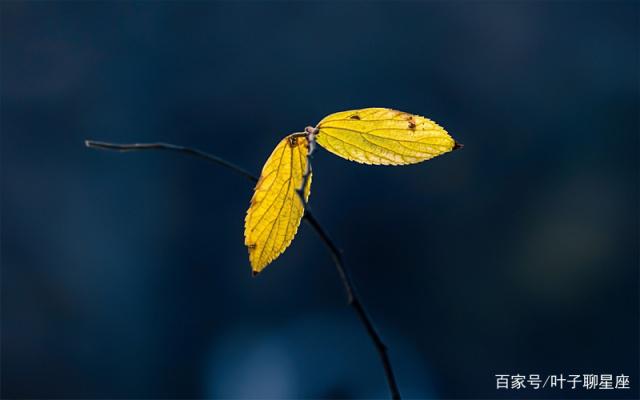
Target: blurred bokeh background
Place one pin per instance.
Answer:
(125, 275)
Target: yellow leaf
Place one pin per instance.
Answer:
(383, 136)
(276, 210)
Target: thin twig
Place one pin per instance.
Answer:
(354, 301)
(336, 254)
(171, 147)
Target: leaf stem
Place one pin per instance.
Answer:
(336, 254)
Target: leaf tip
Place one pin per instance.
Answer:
(254, 273)
(457, 146)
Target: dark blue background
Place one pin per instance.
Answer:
(125, 275)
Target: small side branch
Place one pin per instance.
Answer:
(336, 254)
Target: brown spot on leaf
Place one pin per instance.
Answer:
(355, 116)
(412, 125)
(293, 141)
(251, 246)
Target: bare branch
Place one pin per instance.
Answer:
(349, 287)
(170, 147)
(336, 254)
